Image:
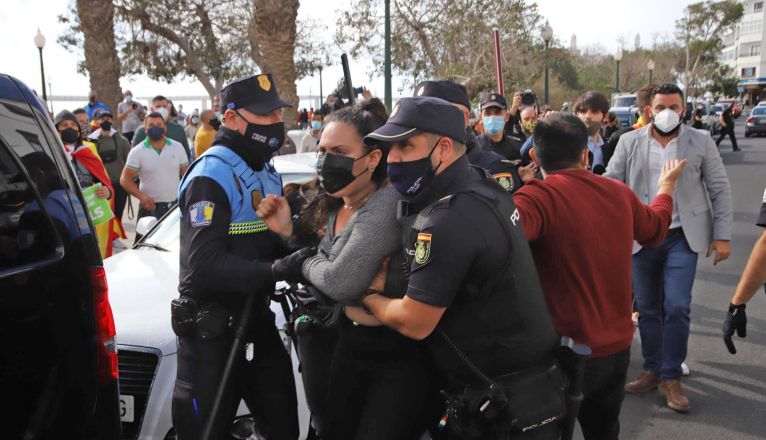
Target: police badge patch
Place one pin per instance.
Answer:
(423, 248)
(505, 180)
(201, 214)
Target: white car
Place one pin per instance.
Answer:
(142, 282)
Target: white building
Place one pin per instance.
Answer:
(743, 49)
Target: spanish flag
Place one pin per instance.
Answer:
(106, 232)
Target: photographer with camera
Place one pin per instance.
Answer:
(521, 100)
(131, 114)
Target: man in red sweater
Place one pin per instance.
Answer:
(581, 228)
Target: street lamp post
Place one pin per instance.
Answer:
(547, 34)
(321, 94)
(650, 66)
(40, 43)
(618, 58)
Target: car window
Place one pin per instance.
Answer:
(167, 233)
(625, 101)
(28, 236)
(759, 111)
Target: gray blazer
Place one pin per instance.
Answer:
(702, 195)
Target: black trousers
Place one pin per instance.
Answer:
(377, 387)
(603, 392)
(727, 131)
(265, 383)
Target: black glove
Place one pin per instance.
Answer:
(736, 319)
(290, 268)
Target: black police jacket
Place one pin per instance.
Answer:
(467, 252)
(504, 171)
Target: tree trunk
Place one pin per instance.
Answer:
(274, 30)
(101, 61)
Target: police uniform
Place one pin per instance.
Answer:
(509, 147)
(226, 255)
(467, 253)
(504, 171)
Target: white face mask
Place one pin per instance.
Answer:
(666, 121)
(163, 111)
(128, 98)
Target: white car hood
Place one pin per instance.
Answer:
(142, 282)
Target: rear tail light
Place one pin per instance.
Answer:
(750, 120)
(106, 361)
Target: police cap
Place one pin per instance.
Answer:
(101, 113)
(411, 116)
(446, 90)
(256, 94)
(493, 100)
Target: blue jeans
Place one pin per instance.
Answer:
(662, 285)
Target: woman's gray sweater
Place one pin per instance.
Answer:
(346, 264)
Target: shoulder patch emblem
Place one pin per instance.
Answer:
(423, 248)
(201, 214)
(256, 195)
(505, 180)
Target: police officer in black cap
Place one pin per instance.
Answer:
(473, 290)
(226, 256)
(494, 116)
(501, 169)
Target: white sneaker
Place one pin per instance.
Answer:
(684, 369)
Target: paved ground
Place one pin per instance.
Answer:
(727, 392)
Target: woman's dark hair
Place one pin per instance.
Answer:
(559, 140)
(366, 118)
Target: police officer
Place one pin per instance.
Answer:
(503, 170)
(752, 278)
(494, 115)
(473, 291)
(226, 255)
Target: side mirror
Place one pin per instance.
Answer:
(145, 224)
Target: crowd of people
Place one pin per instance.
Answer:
(454, 254)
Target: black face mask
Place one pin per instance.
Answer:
(215, 123)
(409, 178)
(69, 135)
(266, 138)
(337, 172)
(106, 126)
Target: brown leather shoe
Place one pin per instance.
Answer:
(645, 382)
(674, 395)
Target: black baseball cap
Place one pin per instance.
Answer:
(411, 116)
(493, 100)
(100, 113)
(256, 94)
(444, 89)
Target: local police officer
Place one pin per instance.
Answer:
(473, 290)
(226, 255)
(501, 169)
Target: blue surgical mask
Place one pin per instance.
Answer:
(316, 125)
(493, 124)
(409, 178)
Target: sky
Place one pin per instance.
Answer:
(597, 23)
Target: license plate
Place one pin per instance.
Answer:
(126, 408)
(760, 121)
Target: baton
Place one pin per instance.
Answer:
(347, 79)
(498, 62)
(239, 335)
(572, 357)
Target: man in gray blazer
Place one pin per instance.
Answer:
(702, 221)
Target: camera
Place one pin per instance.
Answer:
(342, 93)
(134, 105)
(528, 98)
